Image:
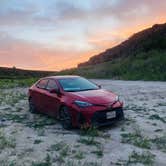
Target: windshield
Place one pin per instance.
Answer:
(77, 84)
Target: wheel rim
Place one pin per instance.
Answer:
(65, 118)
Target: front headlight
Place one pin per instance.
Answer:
(117, 98)
(82, 103)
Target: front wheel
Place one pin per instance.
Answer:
(65, 118)
(120, 114)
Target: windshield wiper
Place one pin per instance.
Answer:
(80, 90)
(87, 89)
(72, 90)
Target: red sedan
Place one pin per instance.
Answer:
(76, 101)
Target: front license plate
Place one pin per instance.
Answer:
(111, 115)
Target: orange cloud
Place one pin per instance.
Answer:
(22, 54)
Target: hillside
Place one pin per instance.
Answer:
(144, 41)
(141, 57)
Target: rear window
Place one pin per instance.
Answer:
(51, 85)
(42, 84)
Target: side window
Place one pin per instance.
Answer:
(42, 84)
(51, 85)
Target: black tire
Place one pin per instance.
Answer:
(32, 107)
(121, 114)
(65, 118)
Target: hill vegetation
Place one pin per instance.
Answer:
(149, 65)
(6, 73)
(13, 77)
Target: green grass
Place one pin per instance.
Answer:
(56, 147)
(6, 142)
(142, 66)
(157, 117)
(92, 131)
(160, 104)
(99, 153)
(79, 155)
(40, 122)
(12, 97)
(37, 141)
(137, 139)
(63, 151)
(88, 141)
(15, 117)
(46, 162)
(12, 83)
(80, 163)
(145, 158)
(7, 162)
(160, 142)
(88, 136)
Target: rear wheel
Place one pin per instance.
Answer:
(32, 107)
(65, 118)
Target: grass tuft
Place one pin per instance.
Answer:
(145, 158)
(137, 139)
(6, 142)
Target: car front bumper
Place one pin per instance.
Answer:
(99, 118)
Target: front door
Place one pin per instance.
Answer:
(52, 99)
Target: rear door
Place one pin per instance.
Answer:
(38, 95)
(52, 99)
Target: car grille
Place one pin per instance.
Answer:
(100, 117)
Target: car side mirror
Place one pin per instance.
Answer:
(57, 91)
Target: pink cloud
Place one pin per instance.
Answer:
(20, 53)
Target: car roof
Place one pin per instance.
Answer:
(60, 77)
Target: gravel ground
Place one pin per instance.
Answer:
(37, 140)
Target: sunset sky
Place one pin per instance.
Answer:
(59, 34)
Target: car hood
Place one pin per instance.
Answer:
(99, 96)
